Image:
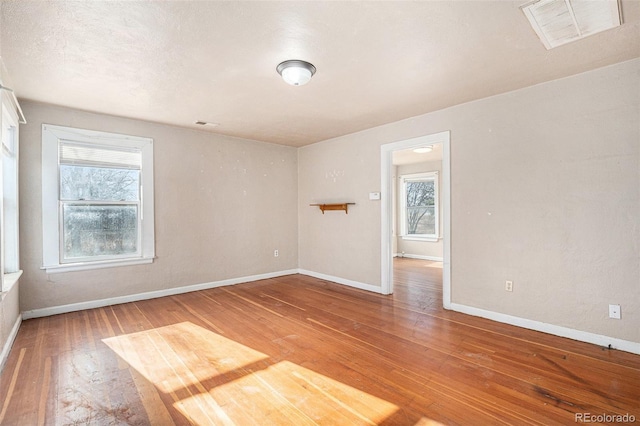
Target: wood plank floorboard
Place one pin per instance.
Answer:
(297, 350)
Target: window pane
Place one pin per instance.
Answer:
(421, 220)
(99, 230)
(420, 193)
(10, 192)
(421, 207)
(98, 183)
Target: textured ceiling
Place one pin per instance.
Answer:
(378, 62)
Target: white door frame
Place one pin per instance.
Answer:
(386, 155)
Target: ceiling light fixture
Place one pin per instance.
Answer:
(423, 150)
(296, 72)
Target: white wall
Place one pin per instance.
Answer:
(222, 206)
(545, 192)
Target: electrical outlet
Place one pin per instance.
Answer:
(508, 286)
(614, 311)
(275, 253)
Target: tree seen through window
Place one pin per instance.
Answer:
(100, 211)
(420, 207)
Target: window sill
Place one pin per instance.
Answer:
(71, 267)
(9, 281)
(419, 238)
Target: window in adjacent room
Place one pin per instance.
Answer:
(97, 199)
(419, 206)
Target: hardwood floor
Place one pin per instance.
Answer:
(298, 350)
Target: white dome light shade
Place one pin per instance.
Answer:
(296, 76)
(295, 72)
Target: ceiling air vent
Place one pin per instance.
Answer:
(558, 22)
(206, 123)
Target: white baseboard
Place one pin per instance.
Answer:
(583, 336)
(605, 341)
(350, 283)
(419, 256)
(73, 307)
(55, 310)
(9, 343)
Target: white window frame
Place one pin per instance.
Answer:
(415, 177)
(51, 205)
(9, 223)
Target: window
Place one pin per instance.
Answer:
(10, 264)
(97, 199)
(419, 206)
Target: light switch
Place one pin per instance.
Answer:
(374, 195)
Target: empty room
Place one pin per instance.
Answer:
(320, 212)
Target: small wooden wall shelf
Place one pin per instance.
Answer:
(336, 206)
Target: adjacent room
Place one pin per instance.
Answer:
(320, 212)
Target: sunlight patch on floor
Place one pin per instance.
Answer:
(181, 355)
(212, 379)
(427, 422)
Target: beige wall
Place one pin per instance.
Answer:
(335, 243)
(432, 249)
(222, 206)
(545, 192)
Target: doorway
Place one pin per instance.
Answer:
(387, 206)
